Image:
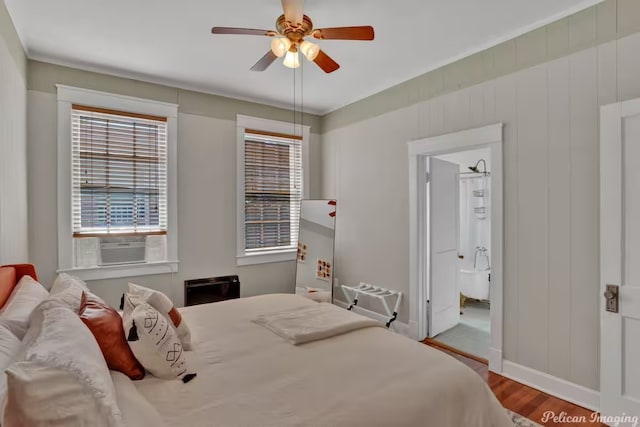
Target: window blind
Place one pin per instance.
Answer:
(273, 190)
(119, 177)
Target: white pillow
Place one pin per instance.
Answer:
(65, 281)
(61, 377)
(155, 343)
(68, 289)
(9, 346)
(156, 299)
(136, 410)
(23, 300)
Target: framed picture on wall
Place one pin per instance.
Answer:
(302, 252)
(323, 270)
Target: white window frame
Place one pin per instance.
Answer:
(247, 122)
(67, 96)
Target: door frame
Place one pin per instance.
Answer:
(482, 137)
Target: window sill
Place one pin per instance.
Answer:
(122, 270)
(266, 257)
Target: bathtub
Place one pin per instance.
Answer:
(474, 283)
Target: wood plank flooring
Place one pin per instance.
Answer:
(522, 399)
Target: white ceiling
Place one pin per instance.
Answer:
(169, 41)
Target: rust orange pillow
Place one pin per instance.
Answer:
(106, 326)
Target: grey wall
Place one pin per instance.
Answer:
(206, 181)
(549, 104)
(13, 144)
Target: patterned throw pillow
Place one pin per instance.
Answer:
(138, 294)
(155, 343)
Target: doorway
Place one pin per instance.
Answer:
(463, 198)
(456, 241)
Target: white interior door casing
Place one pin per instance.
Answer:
(443, 225)
(490, 136)
(620, 252)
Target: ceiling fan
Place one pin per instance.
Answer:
(289, 37)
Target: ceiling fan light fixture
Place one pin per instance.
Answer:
(291, 60)
(280, 46)
(309, 50)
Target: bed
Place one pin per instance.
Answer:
(249, 376)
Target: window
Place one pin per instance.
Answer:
(119, 163)
(116, 173)
(271, 183)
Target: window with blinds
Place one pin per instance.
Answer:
(119, 177)
(273, 190)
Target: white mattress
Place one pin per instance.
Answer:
(249, 376)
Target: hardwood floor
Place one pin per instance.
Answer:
(525, 400)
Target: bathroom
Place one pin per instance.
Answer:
(472, 334)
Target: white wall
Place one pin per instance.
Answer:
(13, 145)
(206, 183)
(550, 112)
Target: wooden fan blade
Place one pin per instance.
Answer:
(264, 62)
(344, 33)
(293, 10)
(325, 62)
(242, 31)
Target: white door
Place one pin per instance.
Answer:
(620, 259)
(442, 268)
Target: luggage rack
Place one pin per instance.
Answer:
(382, 294)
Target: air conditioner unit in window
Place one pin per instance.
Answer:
(122, 250)
(97, 251)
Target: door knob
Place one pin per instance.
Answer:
(611, 295)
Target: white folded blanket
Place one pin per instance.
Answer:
(313, 322)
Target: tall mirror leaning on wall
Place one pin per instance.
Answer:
(314, 265)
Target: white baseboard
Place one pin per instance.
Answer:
(555, 386)
(495, 360)
(413, 331)
(399, 327)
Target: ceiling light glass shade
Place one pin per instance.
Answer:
(280, 46)
(291, 60)
(310, 50)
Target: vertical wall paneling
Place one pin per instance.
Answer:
(476, 106)
(456, 109)
(559, 213)
(629, 67)
(424, 116)
(607, 73)
(584, 218)
(506, 112)
(533, 218)
(489, 99)
(436, 116)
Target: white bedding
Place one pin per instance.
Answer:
(249, 376)
(308, 323)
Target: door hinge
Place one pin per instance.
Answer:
(428, 177)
